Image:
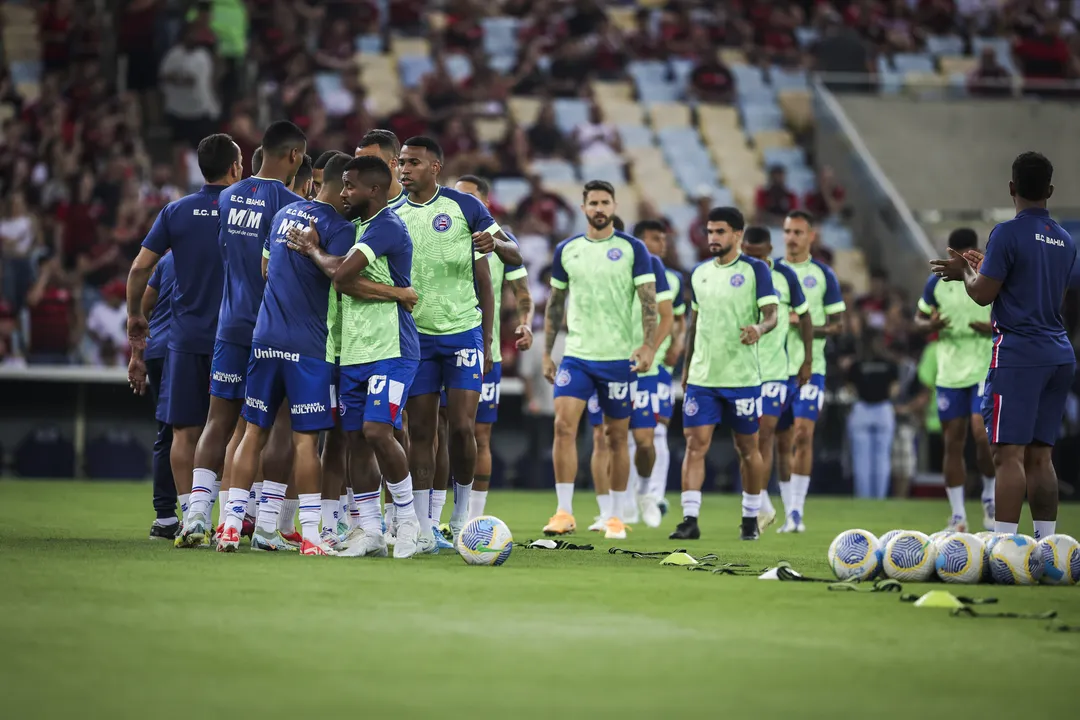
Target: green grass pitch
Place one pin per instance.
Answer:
(96, 621)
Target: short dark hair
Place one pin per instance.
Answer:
(802, 215)
(334, 168)
(320, 163)
(756, 235)
(963, 239)
(618, 224)
(1032, 175)
(481, 183)
(303, 173)
(256, 160)
(385, 139)
(371, 167)
(427, 143)
(731, 215)
(602, 185)
(217, 153)
(878, 273)
(645, 226)
(281, 137)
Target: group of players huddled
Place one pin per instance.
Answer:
(357, 297)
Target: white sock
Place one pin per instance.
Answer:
(367, 510)
(620, 503)
(956, 500)
(214, 496)
(287, 517)
(785, 496)
(462, 497)
(329, 510)
(404, 506)
(989, 483)
(635, 481)
(800, 485)
(234, 507)
(270, 503)
(222, 500)
(253, 500)
(605, 502)
(310, 512)
(354, 508)
(185, 502)
(766, 502)
(477, 503)
(422, 501)
(202, 490)
(166, 522)
(438, 501)
(1045, 528)
(751, 505)
(343, 507)
(565, 493)
(1007, 528)
(691, 503)
(657, 485)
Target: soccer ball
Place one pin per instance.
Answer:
(988, 538)
(882, 542)
(910, 556)
(1060, 556)
(853, 555)
(959, 558)
(485, 540)
(941, 535)
(1015, 561)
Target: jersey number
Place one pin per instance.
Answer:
(466, 357)
(808, 392)
(641, 399)
(376, 384)
(617, 391)
(774, 390)
(489, 392)
(746, 407)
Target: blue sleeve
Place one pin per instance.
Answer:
(660, 272)
(999, 255)
(679, 298)
(155, 277)
(797, 297)
(341, 239)
(643, 267)
(559, 279)
(158, 239)
(766, 292)
(928, 303)
(476, 215)
(833, 299)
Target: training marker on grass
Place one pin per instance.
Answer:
(938, 599)
(678, 558)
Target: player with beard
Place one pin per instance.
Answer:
(385, 145)
(601, 271)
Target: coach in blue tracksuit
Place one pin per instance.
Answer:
(157, 305)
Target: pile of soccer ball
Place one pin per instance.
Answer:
(911, 556)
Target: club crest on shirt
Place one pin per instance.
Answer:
(737, 280)
(441, 223)
(614, 254)
(809, 281)
(563, 378)
(690, 407)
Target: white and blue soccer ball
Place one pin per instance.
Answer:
(882, 542)
(485, 540)
(959, 558)
(1015, 560)
(909, 557)
(853, 555)
(988, 540)
(1060, 556)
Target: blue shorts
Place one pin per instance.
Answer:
(775, 398)
(596, 417)
(953, 403)
(1025, 405)
(185, 392)
(807, 401)
(711, 406)
(442, 398)
(611, 381)
(228, 371)
(375, 392)
(664, 408)
(488, 409)
(644, 415)
(307, 382)
(453, 362)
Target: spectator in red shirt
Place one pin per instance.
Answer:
(546, 208)
(1044, 57)
(874, 305)
(775, 200)
(828, 197)
(989, 78)
(411, 119)
(56, 23)
(80, 220)
(698, 234)
(711, 81)
(53, 311)
(643, 42)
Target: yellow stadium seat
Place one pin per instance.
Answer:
(925, 81)
(30, 91)
(797, 108)
(490, 130)
(851, 266)
(612, 90)
(623, 112)
(764, 139)
(732, 56)
(717, 116)
(956, 64)
(622, 17)
(524, 109)
(669, 114)
(404, 46)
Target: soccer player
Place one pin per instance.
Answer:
(317, 171)
(777, 393)
(600, 464)
(1023, 275)
(292, 356)
(385, 145)
(733, 305)
(963, 357)
(256, 160)
(516, 276)
(645, 418)
(304, 179)
(795, 431)
(601, 271)
(451, 233)
(189, 227)
(380, 353)
(247, 208)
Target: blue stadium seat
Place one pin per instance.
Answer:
(459, 67)
(327, 84)
(836, 236)
(757, 118)
(913, 62)
(509, 192)
(500, 35)
(636, 136)
(801, 180)
(554, 171)
(369, 44)
(25, 71)
(939, 45)
(503, 64)
(412, 68)
(748, 76)
(788, 157)
(570, 112)
(784, 79)
(653, 91)
(1001, 48)
(647, 70)
(806, 36)
(681, 69)
(611, 172)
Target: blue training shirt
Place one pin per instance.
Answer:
(189, 227)
(163, 280)
(247, 211)
(299, 298)
(1033, 257)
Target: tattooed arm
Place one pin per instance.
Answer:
(642, 358)
(553, 322)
